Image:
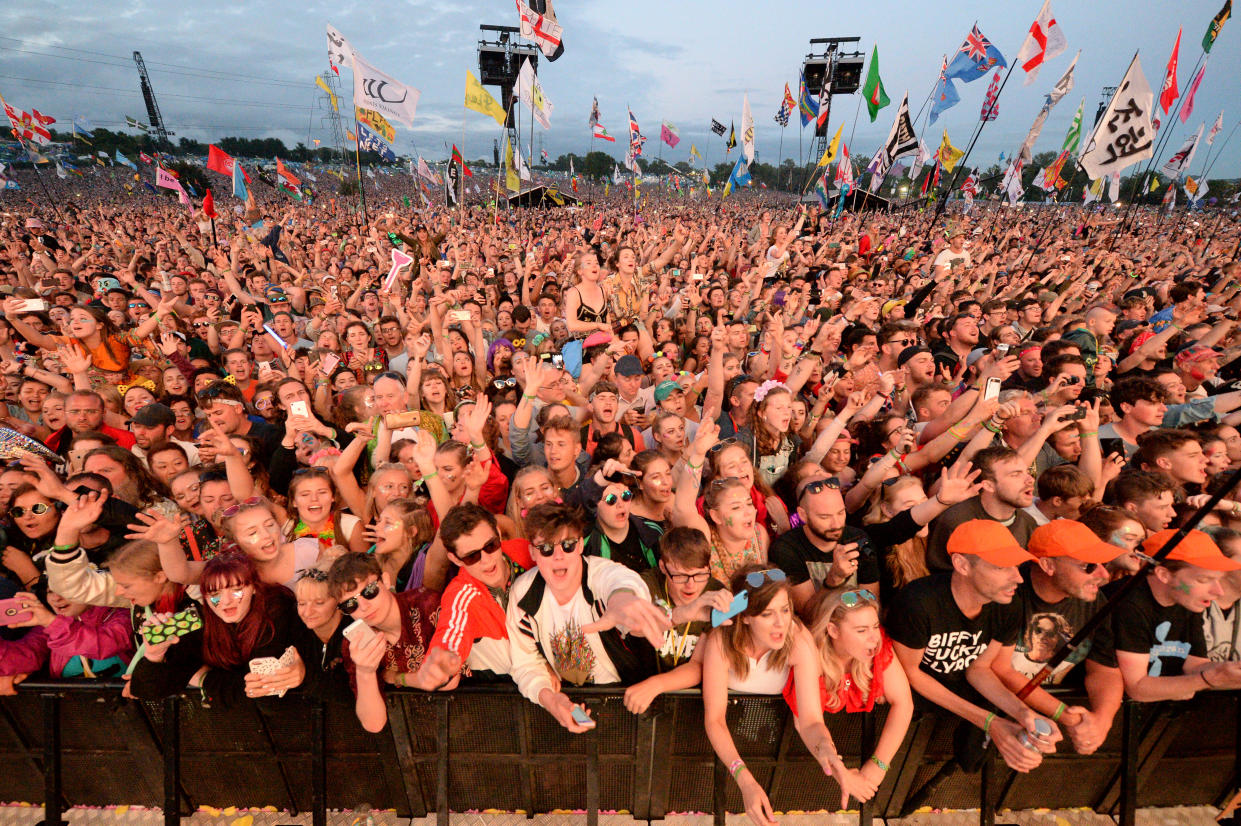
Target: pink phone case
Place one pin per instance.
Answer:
(12, 612)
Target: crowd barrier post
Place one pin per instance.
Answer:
(52, 790)
(171, 744)
(866, 812)
(1128, 764)
(719, 788)
(986, 799)
(318, 764)
(592, 770)
(442, 711)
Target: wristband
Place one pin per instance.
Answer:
(527, 396)
(400, 680)
(1087, 433)
(735, 768)
(430, 475)
(1059, 710)
(477, 445)
(874, 758)
(68, 547)
(991, 427)
(692, 466)
(986, 725)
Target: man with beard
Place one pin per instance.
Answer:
(960, 337)
(1058, 594)
(1007, 489)
(604, 402)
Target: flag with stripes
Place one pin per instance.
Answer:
(991, 103)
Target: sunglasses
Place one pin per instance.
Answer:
(368, 593)
(38, 509)
(720, 445)
(217, 597)
(139, 307)
(472, 557)
(568, 546)
(819, 485)
(233, 510)
(313, 574)
(1089, 567)
(313, 471)
(612, 498)
(500, 384)
(755, 579)
(851, 599)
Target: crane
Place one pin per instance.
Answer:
(148, 95)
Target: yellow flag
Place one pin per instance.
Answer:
(377, 122)
(1191, 186)
(693, 152)
(832, 148)
(1154, 183)
(511, 179)
(322, 84)
(480, 100)
(948, 154)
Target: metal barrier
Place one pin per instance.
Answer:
(79, 743)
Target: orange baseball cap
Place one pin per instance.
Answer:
(1195, 549)
(1066, 537)
(988, 540)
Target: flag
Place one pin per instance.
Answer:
(1218, 125)
(1217, 23)
(376, 122)
(747, 129)
(1045, 41)
(457, 159)
(636, 138)
(530, 92)
(693, 153)
(731, 143)
(81, 126)
(844, 167)
(1123, 135)
(121, 159)
(787, 105)
(523, 171)
(220, 161)
(717, 127)
(283, 172)
(970, 188)
(1154, 183)
(1011, 185)
(945, 93)
(369, 141)
(976, 57)
(209, 205)
(873, 91)
(322, 84)
(481, 101)
(164, 179)
(949, 154)
(668, 134)
(902, 140)
(26, 127)
(1169, 197)
(1178, 164)
(991, 103)
(452, 184)
(543, 155)
(1073, 137)
(60, 172)
(239, 182)
(542, 29)
(133, 124)
(1169, 92)
(1093, 192)
(374, 90)
(921, 158)
(829, 154)
(339, 52)
(820, 190)
(824, 104)
(145, 158)
(1187, 105)
(511, 179)
(42, 119)
(602, 134)
(740, 176)
(807, 105)
(594, 113)
(1063, 86)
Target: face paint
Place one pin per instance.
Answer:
(728, 520)
(1182, 587)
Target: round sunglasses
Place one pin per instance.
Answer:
(568, 546)
(612, 498)
(38, 509)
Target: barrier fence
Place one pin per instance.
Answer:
(79, 743)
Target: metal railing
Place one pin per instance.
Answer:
(486, 747)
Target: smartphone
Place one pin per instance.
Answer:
(358, 632)
(330, 362)
(557, 360)
(458, 316)
(408, 418)
(178, 625)
(1077, 415)
(740, 602)
(12, 612)
(32, 305)
(992, 389)
(264, 367)
(1001, 349)
(299, 408)
(582, 718)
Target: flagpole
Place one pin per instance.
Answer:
(357, 159)
(1220, 151)
(35, 166)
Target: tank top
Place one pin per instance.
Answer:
(761, 679)
(589, 314)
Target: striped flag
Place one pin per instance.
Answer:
(786, 108)
(991, 103)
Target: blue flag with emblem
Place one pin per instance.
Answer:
(976, 58)
(368, 140)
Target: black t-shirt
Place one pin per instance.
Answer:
(1167, 634)
(1021, 526)
(1046, 625)
(925, 615)
(794, 553)
(680, 640)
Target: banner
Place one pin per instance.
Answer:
(377, 123)
(369, 141)
(1124, 134)
(374, 90)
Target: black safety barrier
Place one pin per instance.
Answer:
(80, 743)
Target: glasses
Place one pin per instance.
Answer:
(905, 342)
(215, 598)
(38, 509)
(720, 445)
(139, 307)
(567, 546)
(819, 485)
(755, 579)
(313, 574)
(233, 510)
(683, 579)
(368, 593)
(313, 471)
(1088, 567)
(500, 384)
(851, 599)
(472, 557)
(612, 498)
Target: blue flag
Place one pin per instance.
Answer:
(82, 126)
(806, 104)
(368, 140)
(121, 159)
(740, 176)
(239, 181)
(976, 58)
(945, 95)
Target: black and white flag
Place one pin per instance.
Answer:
(902, 140)
(452, 184)
(717, 127)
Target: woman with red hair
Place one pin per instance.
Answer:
(250, 644)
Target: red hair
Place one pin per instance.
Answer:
(228, 645)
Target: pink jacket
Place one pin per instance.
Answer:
(99, 633)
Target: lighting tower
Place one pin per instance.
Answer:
(148, 95)
(841, 71)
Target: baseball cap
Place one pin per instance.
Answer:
(989, 541)
(598, 337)
(1196, 352)
(628, 366)
(975, 355)
(155, 415)
(666, 389)
(1067, 537)
(889, 306)
(1195, 549)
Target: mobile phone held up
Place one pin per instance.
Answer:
(740, 602)
(12, 612)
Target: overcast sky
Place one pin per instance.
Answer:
(248, 68)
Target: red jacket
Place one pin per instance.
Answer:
(472, 623)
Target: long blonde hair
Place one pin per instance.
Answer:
(825, 608)
(907, 560)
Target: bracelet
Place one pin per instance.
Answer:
(430, 475)
(736, 768)
(986, 725)
(955, 432)
(692, 466)
(941, 501)
(1088, 433)
(1203, 675)
(527, 396)
(1236, 509)
(991, 427)
(874, 758)
(400, 680)
(477, 445)
(68, 547)
(1059, 710)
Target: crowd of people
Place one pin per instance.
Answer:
(744, 446)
